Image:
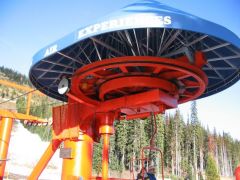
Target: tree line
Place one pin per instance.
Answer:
(190, 150)
(40, 106)
(15, 76)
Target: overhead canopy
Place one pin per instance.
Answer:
(145, 28)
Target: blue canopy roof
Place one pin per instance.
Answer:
(149, 28)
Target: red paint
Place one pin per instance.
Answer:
(131, 87)
(118, 77)
(237, 173)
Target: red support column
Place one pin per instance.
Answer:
(79, 165)
(237, 173)
(42, 163)
(5, 134)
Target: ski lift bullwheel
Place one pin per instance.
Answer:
(113, 78)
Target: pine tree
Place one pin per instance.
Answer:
(140, 138)
(169, 144)
(113, 159)
(187, 156)
(21, 105)
(121, 143)
(160, 140)
(172, 144)
(97, 157)
(196, 134)
(211, 169)
(160, 132)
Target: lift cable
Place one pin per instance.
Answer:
(24, 108)
(24, 94)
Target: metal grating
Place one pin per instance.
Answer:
(223, 57)
(222, 67)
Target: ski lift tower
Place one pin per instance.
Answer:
(141, 60)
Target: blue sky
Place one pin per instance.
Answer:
(27, 26)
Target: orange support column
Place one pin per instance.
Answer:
(29, 98)
(79, 164)
(5, 134)
(105, 156)
(106, 129)
(42, 163)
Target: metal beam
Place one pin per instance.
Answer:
(107, 46)
(54, 71)
(170, 40)
(75, 60)
(215, 47)
(225, 58)
(56, 63)
(136, 40)
(98, 54)
(20, 116)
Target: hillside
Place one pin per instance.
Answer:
(188, 147)
(14, 100)
(9, 74)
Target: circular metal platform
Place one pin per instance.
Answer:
(123, 76)
(146, 28)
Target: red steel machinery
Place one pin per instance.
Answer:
(138, 62)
